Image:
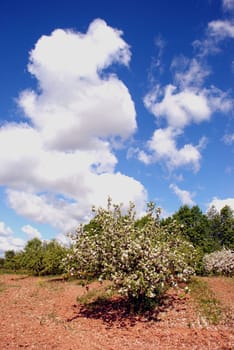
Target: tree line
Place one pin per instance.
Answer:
(38, 258)
(207, 233)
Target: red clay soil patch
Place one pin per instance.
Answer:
(223, 290)
(35, 314)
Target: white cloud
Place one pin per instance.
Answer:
(220, 203)
(76, 177)
(7, 239)
(4, 229)
(176, 106)
(163, 147)
(30, 166)
(189, 72)
(228, 5)
(217, 31)
(219, 101)
(179, 108)
(221, 29)
(144, 157)
(93, 110)
(78, 104)
(184, 196)
(140, 155)
(63, 161)
(70, 54)
(11, 243)
(228, 139)
(45, 209)
(65, 213)
(31, 231)
(120, 188)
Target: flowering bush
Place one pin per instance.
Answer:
(142, 262)
(220, 262)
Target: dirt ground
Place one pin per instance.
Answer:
(37, 313)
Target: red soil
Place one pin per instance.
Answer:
(36, 313)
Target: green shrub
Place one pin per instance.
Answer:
(37, 258)
(52, 258)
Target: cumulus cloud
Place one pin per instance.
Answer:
(63, 161)
(183, 107)
(65, 213)
(29, 165)
(220, 203)
(76, 55)
(44, 208)
(94, 110)
(31, 231)
(78, 104)
(179, 108)
(184, 196)
(163, 147)
(120, 187)
(186, 101)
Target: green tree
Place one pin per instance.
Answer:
(2, 261)
(33, 256)
(10, 260)
(93, 227)
(53, 257)
(195, 227)
(221, 225)
(227, 227)
(38, 258)
(142, 222)
(214, 226)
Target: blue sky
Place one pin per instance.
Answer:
(121, 98)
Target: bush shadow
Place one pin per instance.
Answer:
(119, 312)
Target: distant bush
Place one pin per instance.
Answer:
(37, 258)
(52, 258)
(2, 262)
(220, 262)
(141, 260)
